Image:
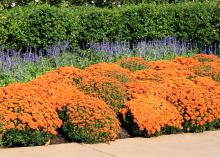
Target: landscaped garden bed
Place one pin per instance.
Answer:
(96, 104)
(107, 70)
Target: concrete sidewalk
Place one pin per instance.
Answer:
(205, 144)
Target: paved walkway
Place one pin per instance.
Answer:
(205, 144)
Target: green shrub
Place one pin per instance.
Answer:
(38, 26)
(26, 137)
(202, 22)
(98, 3)
(2, 131)
(15, 3)
(189, 127)
(100, 24)
(43, 25)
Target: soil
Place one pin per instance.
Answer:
(123, 134)
(58, 139)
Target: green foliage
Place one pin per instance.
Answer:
(99, 3)
(43, 25)
(14, 3)
(189, 127)
(37, 26)
(129, 125)
(2, 131)
(202, 22)
(133, 67)
(26, 137)
(133, 64)
(147, 21)
(99, 24)
(89, 57)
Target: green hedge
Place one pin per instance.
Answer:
(37, 26)
(43, 25)
(99, 3)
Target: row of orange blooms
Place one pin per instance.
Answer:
(156, 94)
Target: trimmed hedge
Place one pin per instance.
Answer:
(98, 3)
(37, 26)
(42, 25)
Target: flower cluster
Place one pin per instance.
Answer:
(197, 105)
(210, 69)
(201, 65)
(105, 81)
(110, 90)
(88, 119)
(57, 86)
(205, 58)
(113, 71)
(196, 98)
(152, 113)
(21, 106)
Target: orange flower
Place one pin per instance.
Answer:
(151, 113)
(156, 93)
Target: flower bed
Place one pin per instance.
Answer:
(147, 98)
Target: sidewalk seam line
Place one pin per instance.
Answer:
(109, 154)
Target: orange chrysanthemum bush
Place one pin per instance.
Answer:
(28, 118)
(110, 70)
(105, 81)
(198, 106)
(167, 64)
(201, 65)
(57, 86)
(133, 63)
(186, 63)
(30, 111)
(196, 102)
(160, 75)
(2, 130)
(73, 105)
(88, 119)
(148, 115)
(111, 91)
(205, 58)
(210, 69)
